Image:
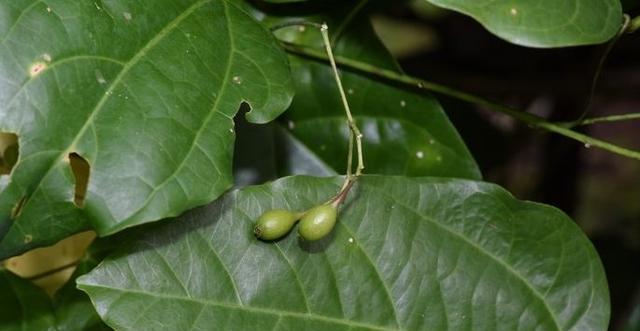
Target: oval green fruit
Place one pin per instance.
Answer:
(274, 224)
(318, 222)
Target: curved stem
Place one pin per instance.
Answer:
(298, 23)
(525, 117)
(598, 71)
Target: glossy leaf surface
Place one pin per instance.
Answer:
(143, 91)
(406, 254)
(544, 23)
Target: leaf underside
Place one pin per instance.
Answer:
(407, 254)
(144, 91)
(544, 23)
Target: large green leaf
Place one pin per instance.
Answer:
(405, 133)
(144, 91)
(544, 23)
(407, 254)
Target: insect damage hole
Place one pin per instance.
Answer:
(9, 152)
(81, 170)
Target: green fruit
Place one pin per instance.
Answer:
(274, 224)
(318, 222)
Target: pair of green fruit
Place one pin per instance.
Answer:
(315, 224)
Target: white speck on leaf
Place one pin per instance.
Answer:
(432, 141)
(97, 6)
(513, 11)
(587, 145)
(237, 80)
(350, 91)
(291, 125)
(403, 103)
(420, 154)
(127, 16)
(100, 77)
(46, 57)
(49, 9)
(351, 240)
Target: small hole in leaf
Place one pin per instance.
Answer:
(81, 169)
(9, 152)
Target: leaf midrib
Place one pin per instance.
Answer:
(259, 310)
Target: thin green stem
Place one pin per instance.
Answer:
(528, 118)
(599, 67)
(605, 119)
(350, 156)
(343, 96)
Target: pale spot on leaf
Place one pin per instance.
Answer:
(37, 68)
(100, 77)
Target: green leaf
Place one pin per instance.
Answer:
(24, 306)
(547, 23)
(143, 91)
(406, 254)
(72, 307)
(405, 133)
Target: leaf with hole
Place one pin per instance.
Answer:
(124, 110)
(406, 254)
